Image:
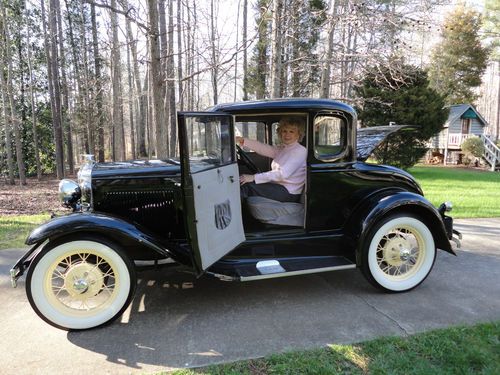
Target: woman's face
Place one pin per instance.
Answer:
(289, 134)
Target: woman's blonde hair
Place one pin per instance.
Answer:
(294, 121)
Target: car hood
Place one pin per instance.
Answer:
(136, 168)
(368, 139)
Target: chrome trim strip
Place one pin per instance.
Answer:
(294, 273)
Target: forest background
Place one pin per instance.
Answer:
(106, 77)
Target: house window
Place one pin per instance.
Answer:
(465, 125)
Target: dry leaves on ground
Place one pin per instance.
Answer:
(35, 197)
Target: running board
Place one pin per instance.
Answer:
(259, 269)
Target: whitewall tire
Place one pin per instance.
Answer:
(398, 254)
(80, 284)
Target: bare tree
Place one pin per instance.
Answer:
(9, 102)
(118, 133)
(245, 52)
(7, 120)
(276, 54)
(33, 108)
(98, 86)
(171, 81)
(157, 83)
(52, 60)
(179, 58)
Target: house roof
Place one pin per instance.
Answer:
(458, 110)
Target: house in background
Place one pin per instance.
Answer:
(464, 121)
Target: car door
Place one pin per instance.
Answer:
(210, 184)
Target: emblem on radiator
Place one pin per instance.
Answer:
(222, 214)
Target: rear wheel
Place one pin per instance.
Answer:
(80, 284)
(398, 254)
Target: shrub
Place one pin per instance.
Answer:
(473, 146)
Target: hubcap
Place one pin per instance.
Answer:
(83, 279)
(82, 282)
(399, 252)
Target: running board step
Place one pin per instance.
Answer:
(258, 269)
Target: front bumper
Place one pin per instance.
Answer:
(453, 234)
(22, 264)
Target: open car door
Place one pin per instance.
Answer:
(210, 184)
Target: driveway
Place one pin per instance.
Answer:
(175, 321)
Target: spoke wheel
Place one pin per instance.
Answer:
(80, 284)
(399, 254)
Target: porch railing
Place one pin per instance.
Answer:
(491, 153)
(456, 139)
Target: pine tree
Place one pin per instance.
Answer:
(408, 102)
(459, 60)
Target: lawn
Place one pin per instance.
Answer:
(14, 229)
(474, 193)
(460, 350)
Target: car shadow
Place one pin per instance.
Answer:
(176, 320)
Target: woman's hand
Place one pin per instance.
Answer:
(246, 178)
(240, 140)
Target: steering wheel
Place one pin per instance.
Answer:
(245, 159)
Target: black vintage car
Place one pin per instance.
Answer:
(81, 268)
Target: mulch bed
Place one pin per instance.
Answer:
(36, 197)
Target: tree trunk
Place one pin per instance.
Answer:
(179, 58)
(130, 99)
(157, 83)
(171, 81)
(33, 110)
(277, 39)
(117, 116)
(262, 57)
(214, 63)
(87, 87)
(326, 72)
(5, 106)
(245, 52)
(66, 124)
(141, 98)
(11, 106)
(98, 87)
(52, 60)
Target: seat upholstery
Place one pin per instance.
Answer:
(273, 212)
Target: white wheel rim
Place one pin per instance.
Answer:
(401, 253)
(80, 284)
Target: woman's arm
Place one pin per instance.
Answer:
(258, 147)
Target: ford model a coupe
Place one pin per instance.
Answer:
(81, 268)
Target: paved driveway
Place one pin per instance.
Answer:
(175, 321)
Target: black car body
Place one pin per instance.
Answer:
(81, 267)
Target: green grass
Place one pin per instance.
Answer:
(461, 350)
(14, 229)
(474, 193)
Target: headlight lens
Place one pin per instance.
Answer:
(69, 192)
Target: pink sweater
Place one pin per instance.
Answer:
(288, 167)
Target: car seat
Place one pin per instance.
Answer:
(269, 211)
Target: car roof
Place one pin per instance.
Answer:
(283, 104)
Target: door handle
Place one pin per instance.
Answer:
(231, 178)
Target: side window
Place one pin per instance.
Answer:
(252, 130)
(329, 136)
(209, 142)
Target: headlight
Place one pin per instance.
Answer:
(69, 192)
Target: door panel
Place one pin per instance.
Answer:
(217, 205)
(210, 185)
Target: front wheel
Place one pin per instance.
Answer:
(398, 254)
(80, 284)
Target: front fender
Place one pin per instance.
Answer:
(382, 204)
(109, 226)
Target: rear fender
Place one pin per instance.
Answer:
(380, 205)
(136, 240)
